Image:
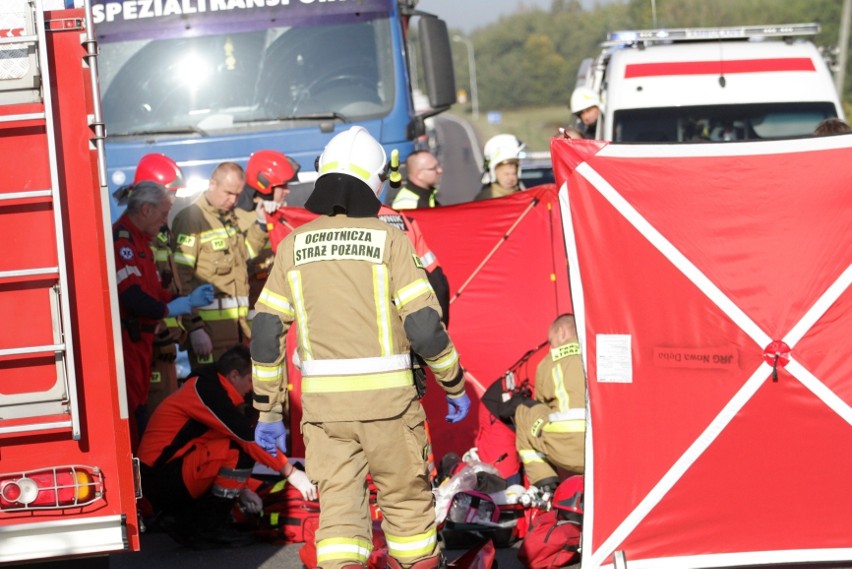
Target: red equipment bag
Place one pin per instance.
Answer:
(551, 542)
(286, 516)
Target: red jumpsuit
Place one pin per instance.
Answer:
(142, 303)
(198, 438)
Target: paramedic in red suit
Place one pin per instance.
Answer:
(198, 452)
(142, 299)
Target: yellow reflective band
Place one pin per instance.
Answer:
(326, 168)
(161, 255)
(357, 170)
(409, 292)
(273, 519)
(381, 292)
(171, 322)
(251, 252)
(529, 456)
(565, 350)
(184, 259)
(218, 233)
(276, 302)
(267, 373)
(278, 487)
(572, 426)
(412, 546)
(352, 383)
(445, 362)
(295, 278)
(343, 549)
(559, 389)
(216, 314)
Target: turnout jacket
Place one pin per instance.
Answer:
(360, 299)
(560, 384)
(205, 408)
(495, 190)
(209, 247)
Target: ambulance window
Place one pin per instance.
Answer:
(720, 123)
(782, 125)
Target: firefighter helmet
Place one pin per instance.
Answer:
(267, 169)
(499, 149)
(356, 153)
(584, 98)
(569, 495)
(161, 169)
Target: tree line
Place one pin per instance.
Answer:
(531, 58)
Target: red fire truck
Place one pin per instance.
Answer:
(67, 477)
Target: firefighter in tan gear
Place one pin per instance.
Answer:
(550, 429)
(502, 176)
(267, 174)
(165, 171)
(209, 247)
(356, 291)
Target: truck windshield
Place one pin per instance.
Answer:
(248, 79)
(720, 123)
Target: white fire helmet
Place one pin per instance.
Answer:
(584, 98)
(356, 153)
(501, 148)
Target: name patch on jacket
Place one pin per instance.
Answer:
(340, 245)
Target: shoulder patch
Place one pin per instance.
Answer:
(126, 253)
(184, 239)
(417, 262)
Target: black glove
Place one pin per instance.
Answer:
(165, 348)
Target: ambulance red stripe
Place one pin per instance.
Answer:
(635, 70)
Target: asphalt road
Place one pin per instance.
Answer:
(160, 552)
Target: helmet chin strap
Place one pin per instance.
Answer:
(341, 193)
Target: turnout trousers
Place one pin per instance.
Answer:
(339, 455)
(542, 450)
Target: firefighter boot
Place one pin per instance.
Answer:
(434, 562)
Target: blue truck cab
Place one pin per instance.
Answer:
(207, 81)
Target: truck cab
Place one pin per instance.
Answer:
(210, 81)
(712, 84)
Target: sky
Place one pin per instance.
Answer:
(469, 15)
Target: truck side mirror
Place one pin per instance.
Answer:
(437, 62)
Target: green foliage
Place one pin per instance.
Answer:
(531, 58)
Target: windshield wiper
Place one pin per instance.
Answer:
(176, 130)
(310, 116)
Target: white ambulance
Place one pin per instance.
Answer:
(711, 84)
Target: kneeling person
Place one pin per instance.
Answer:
(198, 452)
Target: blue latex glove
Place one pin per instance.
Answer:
(266, 435)
(457, 408)
(180, 305)
(201, 296)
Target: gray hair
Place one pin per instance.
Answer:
(146, 192)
